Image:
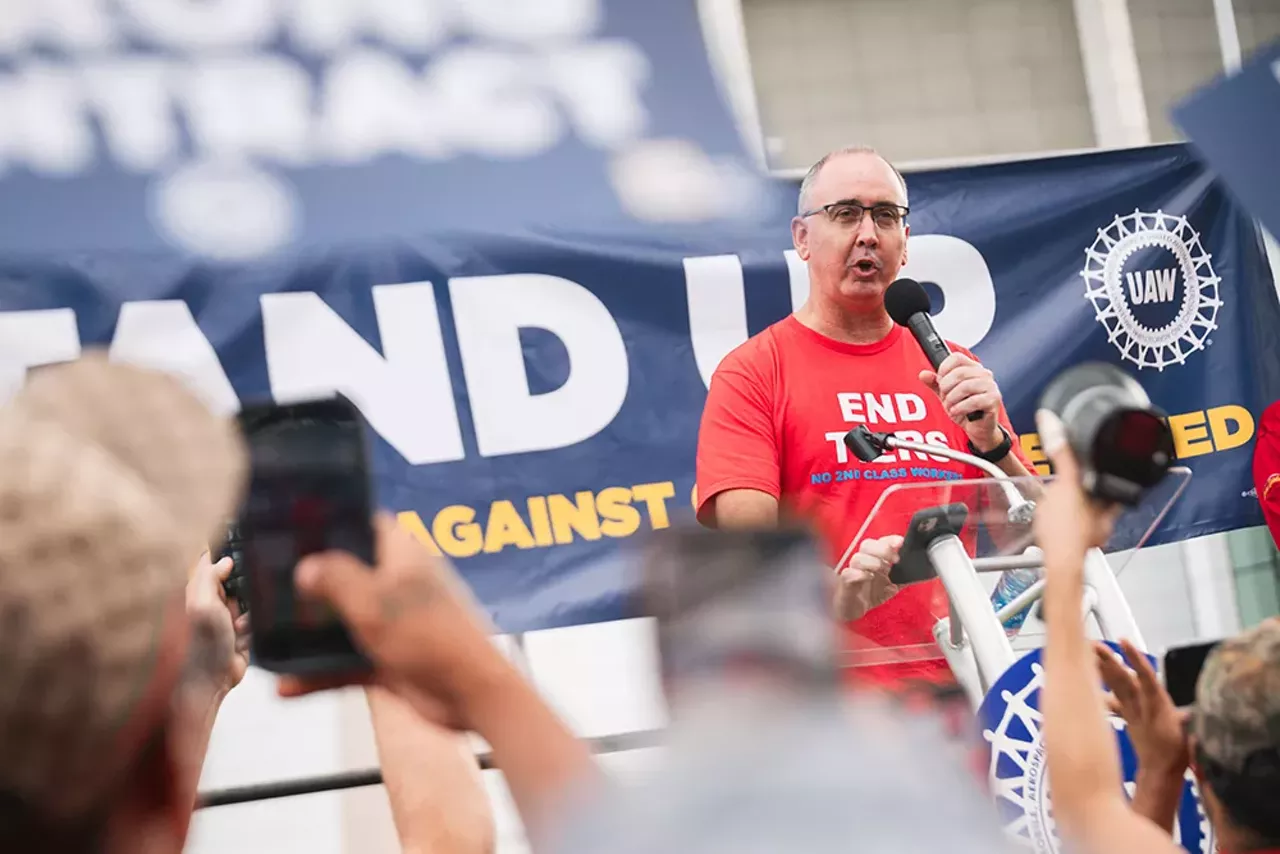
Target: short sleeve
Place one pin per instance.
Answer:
(1266, 468)
(737, 439)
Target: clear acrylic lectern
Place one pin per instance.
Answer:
(966, 532)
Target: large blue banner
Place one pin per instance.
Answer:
(243, 129)
(537, 396)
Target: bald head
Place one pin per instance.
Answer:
(851, 258)
(868, 157)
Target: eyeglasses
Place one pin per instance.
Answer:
(885, 215)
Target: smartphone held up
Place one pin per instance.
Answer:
(310, 490)
(1181, 668)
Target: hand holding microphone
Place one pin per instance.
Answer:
(968, 391)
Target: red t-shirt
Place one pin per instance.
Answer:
(1266, 467)
(776, 412)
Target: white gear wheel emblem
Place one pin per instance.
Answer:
(1034, 828)
(1208, 842)
(1145, 346)
(1027, 792)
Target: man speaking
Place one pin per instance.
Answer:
(779, 405)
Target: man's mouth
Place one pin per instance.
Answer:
(865, 265)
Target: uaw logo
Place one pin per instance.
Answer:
(1153, 288)
(1011, 725)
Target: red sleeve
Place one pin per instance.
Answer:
(1003, 417)
(1266, 468)
(737, 442)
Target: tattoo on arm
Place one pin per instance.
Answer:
(408, 595)
(208, 659)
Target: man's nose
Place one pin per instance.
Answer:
(866, 233)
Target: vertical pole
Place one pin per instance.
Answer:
(725, 33)
(1224, 17)
(1111, 73)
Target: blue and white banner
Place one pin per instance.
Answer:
(1012, 727)
(1234, 124)
(240, 129)
(537, 396)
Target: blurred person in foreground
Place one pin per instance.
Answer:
(761, 757)
(115, 660)
(778, 407)
(767, 751)
(1232, 734)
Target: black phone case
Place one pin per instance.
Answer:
(927, 525)
(1181, 668)
(346, 659)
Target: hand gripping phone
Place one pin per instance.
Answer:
(232, 546)
(309, 491)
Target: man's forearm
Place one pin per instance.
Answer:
(1012, 466)
(543, 763)
(1080, 744)
(433, 783)
(1156, 796)
(742, 508)
(1080, 747)
(197, 704)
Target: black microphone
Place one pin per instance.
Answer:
(866, 446)
(908, 305)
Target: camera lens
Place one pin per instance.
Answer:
(1121, 441)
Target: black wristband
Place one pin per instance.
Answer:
(999, 452)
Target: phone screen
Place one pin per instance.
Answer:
(1182, 666)
(309, 492)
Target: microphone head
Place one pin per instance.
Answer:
(904, 298)
(866, 446)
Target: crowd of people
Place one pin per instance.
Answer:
(119, 641)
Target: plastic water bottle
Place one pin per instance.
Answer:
(1011, 585)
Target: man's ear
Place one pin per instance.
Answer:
(906, 241)
(800, 237)
(1193, 760)
(153, 808)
